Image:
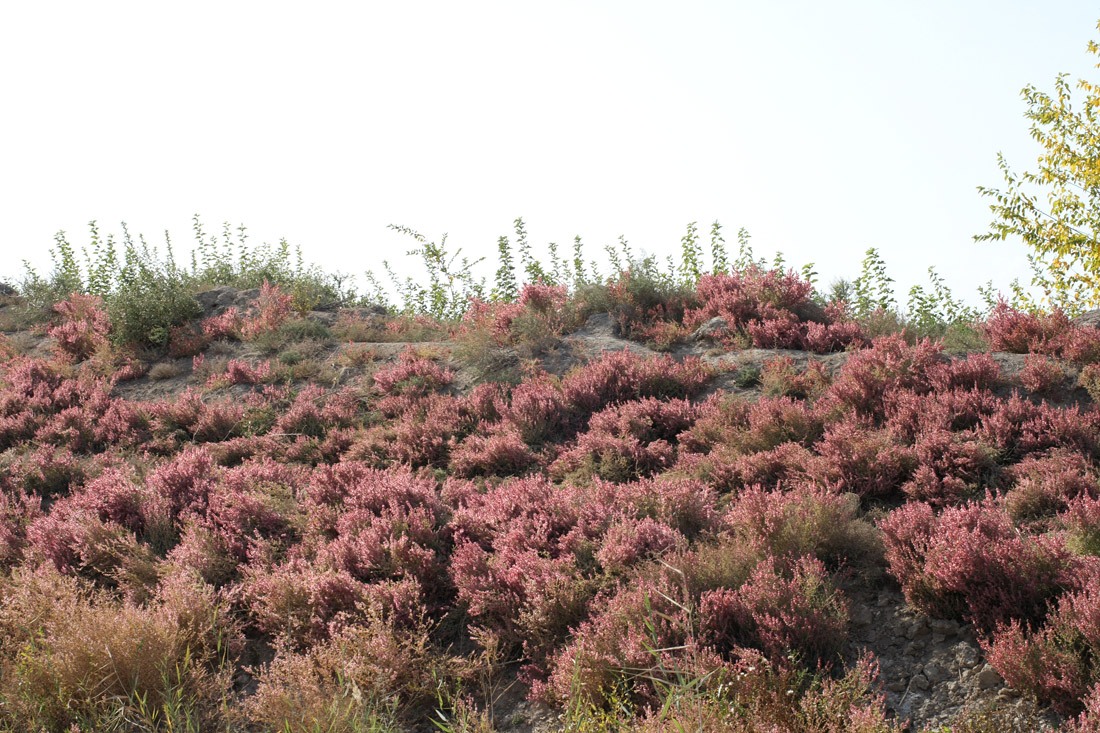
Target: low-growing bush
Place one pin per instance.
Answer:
(972, 563)
(1058, 661)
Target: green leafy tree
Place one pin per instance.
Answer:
(1055, 209)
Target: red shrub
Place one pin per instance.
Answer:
(499, 452)
(629, 441)
(1042, 376)
(1044, 484)
(782, 608)
(863, 460)
(272, 310)
(1020, 332)
(971, 562)
(1057, 662)
(412, 376)
(84, 325)
(619, 376)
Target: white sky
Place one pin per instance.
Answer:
(823, 128)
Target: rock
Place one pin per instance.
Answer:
(325, 317)
(966, 655)
(810, 311)
(862, 616)
(1088, 319)
(936, 672)
(917, 629)
(601, 324)
(713, 330)
(919, 682)
(945, 626)
(245, 297)
(211, 299)
(988, 678)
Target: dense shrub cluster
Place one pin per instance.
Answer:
(610, 532)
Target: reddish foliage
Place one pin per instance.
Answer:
(1056, 662)
(1042, 375)
(971, 562)
(271, 311)
(84, 325)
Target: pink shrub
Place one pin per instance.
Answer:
(1089, 719)
(1041, 375)
(619, 376)
(186, 340)
(1080, 345)
(188, 419)
(772, 421)
(778, 610)
(1018, 427)
(863, 460)
(48, 472)
(776, 330)
(978, 371)
(628, 441)
(837, 336)
(301, 603)
(890, 364)
(412, 376)
(908, 414)
(808, 520)
(84, 325)
(780, 377)
(1044, 484)
(950, 467)
(632, 540)
(315, 411)
(720, 418)
(226, 326)
(18, 510)
(1020, 332)
(273, 307)
(243, 372)
(499, 452)
(1056, 662)
(765, 305)
(785, 465)
(971, 562)
(538, 410)
(605, 651)
(378, 525)
(185, 482)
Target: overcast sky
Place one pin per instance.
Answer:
(824, 128)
